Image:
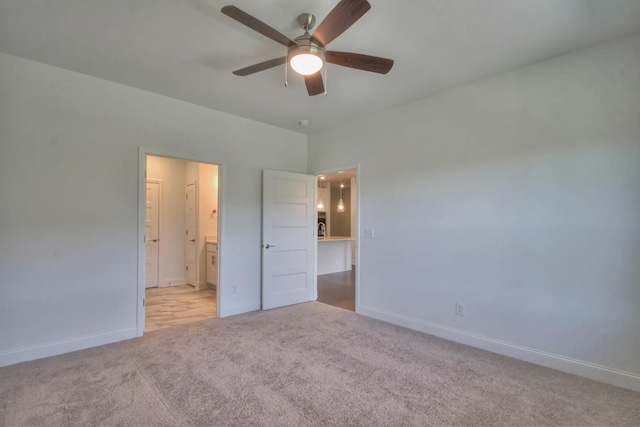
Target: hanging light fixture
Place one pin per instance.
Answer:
(341, 202)
(320, 202)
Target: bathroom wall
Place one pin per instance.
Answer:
(207, 215)
(171, 173)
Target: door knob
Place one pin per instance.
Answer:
(267, 246)
(193, 240)
(154, 240)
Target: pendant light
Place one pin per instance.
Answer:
(320, 202)
(341, 202)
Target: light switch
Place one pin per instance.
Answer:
(368, 233)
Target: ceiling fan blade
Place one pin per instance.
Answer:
(344, 15)
(314, 83)
(257, 25)
(360, 62)
(261, 66)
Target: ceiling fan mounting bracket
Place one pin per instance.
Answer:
(306, 21)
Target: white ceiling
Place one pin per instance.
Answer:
(188, 49)
(345, 176)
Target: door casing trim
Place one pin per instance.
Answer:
(355, 166)
(143, 152)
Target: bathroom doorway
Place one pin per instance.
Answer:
(337, 233)
(180, 242)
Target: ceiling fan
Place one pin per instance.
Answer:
(307, 53)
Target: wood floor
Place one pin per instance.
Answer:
(338, 289)
(178, 305)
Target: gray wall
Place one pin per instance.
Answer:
(340, 221)
(518, 196)
(69, 201)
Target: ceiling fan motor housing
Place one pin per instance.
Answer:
(304, 45)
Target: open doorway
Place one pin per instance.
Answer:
(180, 242)
(337, 238)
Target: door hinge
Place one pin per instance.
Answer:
(186, 232)
(144, 239)
(186, 196)
(186, 267)
(145, 174)
(144, 302)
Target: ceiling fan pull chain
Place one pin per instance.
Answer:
(286, 73)
(326, 81)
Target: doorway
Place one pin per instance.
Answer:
(181, 200)
(337, 250)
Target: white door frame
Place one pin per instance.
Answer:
(143, 152)
(358, 247)
(160, 218)
(196, 228)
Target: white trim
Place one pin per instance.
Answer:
(562, 363)
(172, 282)
(143, 152)
(196, 190)
(220, 235)
(141, 288)
(160, 224)
(53, 349)
(239, 309)
(357, 236)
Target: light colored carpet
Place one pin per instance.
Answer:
(303, 365)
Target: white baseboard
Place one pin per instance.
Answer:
(562, 363)
(238, 309)
(53, 349)
(172, 282)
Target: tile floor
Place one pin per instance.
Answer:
(178, 305)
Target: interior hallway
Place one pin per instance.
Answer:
(338, 289)
(178, 305)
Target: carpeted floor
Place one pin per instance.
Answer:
(304, 365)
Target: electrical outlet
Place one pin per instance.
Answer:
(368, 233)
(460, 309)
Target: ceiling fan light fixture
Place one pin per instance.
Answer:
(306, 64)
(306, 60)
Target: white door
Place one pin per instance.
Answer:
(152, 235)
(288, 238)
(190, 233)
